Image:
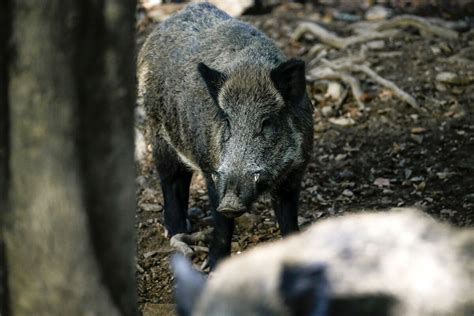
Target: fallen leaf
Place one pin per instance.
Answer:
(382, 182)
(418, 130)
(342, 121)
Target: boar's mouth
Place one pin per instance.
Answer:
(231, 206)
(232, 213)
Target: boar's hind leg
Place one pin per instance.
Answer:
(175, 179)
(285, 204)
(223, 230)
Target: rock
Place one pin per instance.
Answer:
(195, 213)
(453, 78)
(149, 195)
(441, 87)
(436, 50)
(327, 110)
(378, 12)
(444, 174)
(421, 186)
(247, 221)
(348, 193)
(340, 157)
(417, 138)
(382, 182)
(334, 91)
(141, 181)
(148, 207)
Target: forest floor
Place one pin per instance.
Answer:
(372, 156)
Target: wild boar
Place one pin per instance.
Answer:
(223, 100)
(397, 263)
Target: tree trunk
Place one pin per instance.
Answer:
(70, 239)
(4, 140)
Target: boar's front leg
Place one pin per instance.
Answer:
(223, 229)
(285, 199)
(175, 179)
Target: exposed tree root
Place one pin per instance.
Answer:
(342, 69)
(368, 31)
(336, 41)
(184, 243)
(420, 23)
(349, 66)
(464, 57)
(330, 74)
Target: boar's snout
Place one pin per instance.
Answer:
(237, 192)
(231, 206)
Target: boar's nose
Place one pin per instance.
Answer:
(231, 206)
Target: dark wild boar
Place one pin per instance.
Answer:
(223, 100)
(397, 263)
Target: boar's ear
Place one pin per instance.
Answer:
(189, 284)
(213, 79)
(304, 289)
(289, 79)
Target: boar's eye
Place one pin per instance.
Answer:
(256, 177)
(226, 130)
(266, 127)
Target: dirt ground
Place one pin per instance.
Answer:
(384, 155)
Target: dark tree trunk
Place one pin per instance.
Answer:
(4, 140)
(70, 239)
(106, 74)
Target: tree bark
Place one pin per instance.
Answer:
(4, 145)
(70, 239)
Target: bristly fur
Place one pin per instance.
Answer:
(208, 84)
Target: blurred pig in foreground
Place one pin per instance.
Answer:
(397, 263)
